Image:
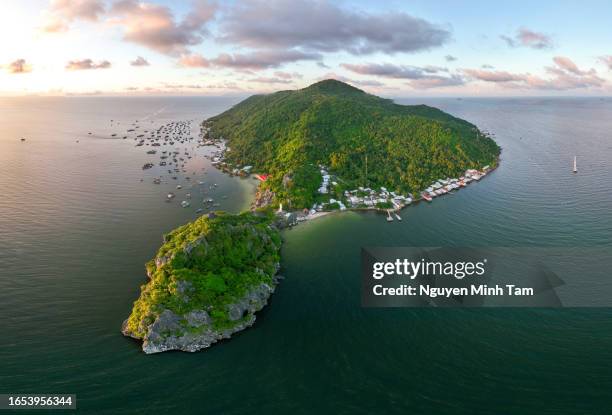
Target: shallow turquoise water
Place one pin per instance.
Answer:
(77, 226)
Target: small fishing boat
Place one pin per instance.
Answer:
(389, 217)
(575, 167)
(398, 217)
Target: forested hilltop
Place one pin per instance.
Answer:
(206, 282)
(361, 139)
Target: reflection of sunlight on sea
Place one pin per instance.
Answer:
(77, 225)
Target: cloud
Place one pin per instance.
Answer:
(63, 12)
(528, 38)
(450, 58)
(260, 60)
(271, 80)
(487, 66)
(18, 66)
(287, 75)
(325, 27)
(193, 60)
(155, 26)
(279, 77)
(246, 62)
(355, 82)
(322, 65)
(565, 75)
(437, 81)
(182, 86)
(568, 65)
(492, 76)
(388, 70)
(70, 10)
(225, 85)
(85, 64)
(420, 77)
(140, 61)
(606, 60)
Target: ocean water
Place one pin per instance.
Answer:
(78, 220)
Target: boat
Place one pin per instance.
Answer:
(185, 204)
(398, 216)
(575, 168)
(426, 197)
(389, 217)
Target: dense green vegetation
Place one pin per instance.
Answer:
(206, 265)
(289, 133)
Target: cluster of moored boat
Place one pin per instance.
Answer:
(389, 201)
(444, 186)
(180, 146)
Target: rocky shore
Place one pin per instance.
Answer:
(206, 282)
(194, 330)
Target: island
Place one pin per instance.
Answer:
(329, 146)
(333, 141)
(206, 282)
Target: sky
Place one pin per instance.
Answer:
(392, 48)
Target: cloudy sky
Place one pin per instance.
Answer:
(392, 48)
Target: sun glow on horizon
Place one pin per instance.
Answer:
(62, 47)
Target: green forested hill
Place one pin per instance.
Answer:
(288, 134)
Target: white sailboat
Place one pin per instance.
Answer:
(575, 168)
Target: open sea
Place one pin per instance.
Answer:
(79, 217)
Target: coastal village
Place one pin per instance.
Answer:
(362, 198)
(172, 163)
(384, 200)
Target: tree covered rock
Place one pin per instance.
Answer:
(207, 281)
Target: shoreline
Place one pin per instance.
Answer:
(301, 218)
